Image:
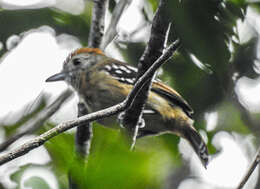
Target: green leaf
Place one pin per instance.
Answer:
(154, 4)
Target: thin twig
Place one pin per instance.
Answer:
(250, 170)
(35, 123)
(111, 31)
(40, 140)
(133, 116)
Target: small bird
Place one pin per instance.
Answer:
(101, 82)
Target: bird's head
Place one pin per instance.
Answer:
(76, 63)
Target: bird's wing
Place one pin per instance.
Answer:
(171, 95)
(126, 74)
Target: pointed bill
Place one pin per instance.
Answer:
(57, 77)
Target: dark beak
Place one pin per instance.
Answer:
(57, 77)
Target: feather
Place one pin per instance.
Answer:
(171, 95)
(125, 73)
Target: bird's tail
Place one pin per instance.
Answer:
(197, 144)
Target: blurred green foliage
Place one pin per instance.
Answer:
(110, 163)
(207, 29)
(27, 19)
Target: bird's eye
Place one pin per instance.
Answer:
(76, 62)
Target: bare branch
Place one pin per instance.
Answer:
(40, 140)
(97, 23)
(111, 31)
(133, 115)
(250, 170)
(35, 123)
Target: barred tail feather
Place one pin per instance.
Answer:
(197, 144)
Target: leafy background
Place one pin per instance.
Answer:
(216, 70)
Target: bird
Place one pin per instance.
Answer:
(101, 82)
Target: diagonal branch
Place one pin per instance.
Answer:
(133, 115)
(250, 170)
(34, 124)
(111, 31)
(40, 140)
